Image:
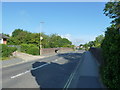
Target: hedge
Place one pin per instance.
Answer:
(6, 51)
(111, 52)
(30, 49)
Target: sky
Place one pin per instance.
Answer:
(80, 22)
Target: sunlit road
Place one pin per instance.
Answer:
(52, 72)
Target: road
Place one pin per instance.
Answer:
(52, 72)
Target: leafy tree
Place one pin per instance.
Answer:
(91, 43)
(6, 34)
(20, 36)
(112, 10)
(111, 47)
(111, 53)
(98, 41)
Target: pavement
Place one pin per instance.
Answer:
(12, 61)
(65, 70)
(87, 75)
(22, 58)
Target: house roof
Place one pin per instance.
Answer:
(3, 36)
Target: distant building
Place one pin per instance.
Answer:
(3, 39)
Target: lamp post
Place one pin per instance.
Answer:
(41, 45)
(41, 38)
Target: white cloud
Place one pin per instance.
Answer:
(74, 40)
(68, 36)
(81, 39)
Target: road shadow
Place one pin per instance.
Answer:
(71, 56)
(55, 75)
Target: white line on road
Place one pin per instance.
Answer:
(71, 77)
(32, 69)
(28, 71)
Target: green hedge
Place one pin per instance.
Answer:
(110, 70)
(6, 51)
(30, 49)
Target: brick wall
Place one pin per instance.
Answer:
(52, 50)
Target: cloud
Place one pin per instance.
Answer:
(74, 40)
(81, 39)
(68, 36)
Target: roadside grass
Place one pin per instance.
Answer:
(6, 58)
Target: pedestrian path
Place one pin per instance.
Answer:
(89, 73)
(12, 61)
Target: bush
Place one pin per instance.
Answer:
(33, 51)
(111, 52)
(24, 47)
(30, 49)
(7, 51)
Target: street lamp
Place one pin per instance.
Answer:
(41, 38)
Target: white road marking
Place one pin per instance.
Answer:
(28, 71)
(33, 69)
(71, 78)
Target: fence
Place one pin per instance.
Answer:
(17, 46)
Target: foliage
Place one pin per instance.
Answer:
(86, 46)
(7, 51)
(96, 43)
(112, 10)
(20, 36)
(30, 49)
(33, 51)
(111, 47)
(111, 53)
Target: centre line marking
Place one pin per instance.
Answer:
(28, 71)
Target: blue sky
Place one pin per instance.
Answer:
(80, 22)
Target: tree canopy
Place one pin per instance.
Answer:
(112, 10)
(20, 36)
(111, 47)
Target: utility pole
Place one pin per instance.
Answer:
(41, 38)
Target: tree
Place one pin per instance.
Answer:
(19, 36)
(98, 41)
(112, 10)
(91, 43)
(111, 47)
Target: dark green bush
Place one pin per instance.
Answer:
(30, 49)
(111, 52)
(7, 51)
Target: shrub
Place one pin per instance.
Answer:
(30, 49)
(7, 51)
(33, 51)
(111, 53)
(24, 47)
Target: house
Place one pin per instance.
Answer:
(3, 39)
